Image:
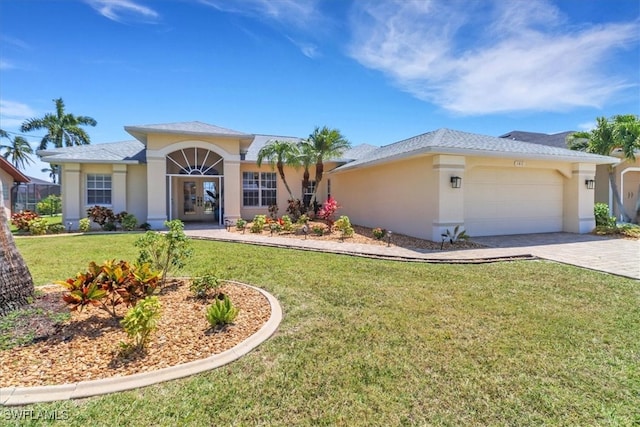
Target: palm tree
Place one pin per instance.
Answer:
(620, 133)
(279, 153)
(306, 158)
(18, 151)
(326, 143)
(53, 171)
(16, 284)
(63, 129)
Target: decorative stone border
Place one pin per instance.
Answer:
(13, 396)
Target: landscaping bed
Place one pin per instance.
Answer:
(87, 346)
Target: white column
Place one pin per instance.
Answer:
(156, 189)
(73, 198)
(119, 188)
(578, 214)
(232, 190)
(449, 211)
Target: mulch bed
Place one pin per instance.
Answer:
(87, 346)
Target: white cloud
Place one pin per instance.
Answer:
(290, 16)
(123, 10)
(291, 12)
(6, 65)
(13, 114)
(482, 58)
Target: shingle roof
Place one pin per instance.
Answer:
(447, 141)
(12, 170)
(554, 140)
(112, 152)
(261, 140)
(191, 128)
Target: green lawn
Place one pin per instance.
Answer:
(366, 342)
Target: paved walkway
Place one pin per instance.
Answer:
(615, 256)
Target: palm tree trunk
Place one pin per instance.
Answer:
(16, 284)
(284, 180)
(616, 197)
(319, 173)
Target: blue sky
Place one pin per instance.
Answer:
(380, 71)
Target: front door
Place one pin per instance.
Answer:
(200, 199)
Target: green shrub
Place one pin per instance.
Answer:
(318, 230)
(258, 223)
(55, 228)
(200, 286)
(84, 225)
(22, 220)
(129, 222)
(50, 205)
(601, 213)
(222, 312)
(165, 251)
(379, 233)
(38, 227)
(343, 225)
(140, 321)
(241, 224)
(286, 223)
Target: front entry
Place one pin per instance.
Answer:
(199, 199)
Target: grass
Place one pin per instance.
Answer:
(368, 342)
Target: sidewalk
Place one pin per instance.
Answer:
(615, 256)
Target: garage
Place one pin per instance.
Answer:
(501, 201)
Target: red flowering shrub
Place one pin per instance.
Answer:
(328, 211)
(22, 220)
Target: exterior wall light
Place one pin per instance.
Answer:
(590, 183)
(456, 182)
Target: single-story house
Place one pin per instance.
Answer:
(420, 186)
(626, 173)
(9, 176)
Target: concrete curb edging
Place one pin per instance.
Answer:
(14, 396)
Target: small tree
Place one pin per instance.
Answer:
(165, 251)
(50, 205)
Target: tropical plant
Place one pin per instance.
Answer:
(109, 285)
(16, 284)
(278, 153)
(221, 312)
(101, 215)
(325, 144)
(165, 251)
(63, 129)
(129, 221)
(455, 235)
(621, 134)
(306, 158)
(328, 211)
(141, 320)
(18, 151)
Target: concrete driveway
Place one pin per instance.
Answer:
(611, 255)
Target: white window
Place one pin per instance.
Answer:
(98, 189)
(307, 192)
(259, 188)
(5, 193)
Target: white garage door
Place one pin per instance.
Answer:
(512, 201)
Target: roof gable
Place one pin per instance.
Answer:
(185, 128)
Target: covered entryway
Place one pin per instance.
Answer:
(195, 185)
(500, 201)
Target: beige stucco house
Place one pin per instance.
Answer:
(421, 186)
(9, 176)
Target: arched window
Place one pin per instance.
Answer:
(194, 161)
